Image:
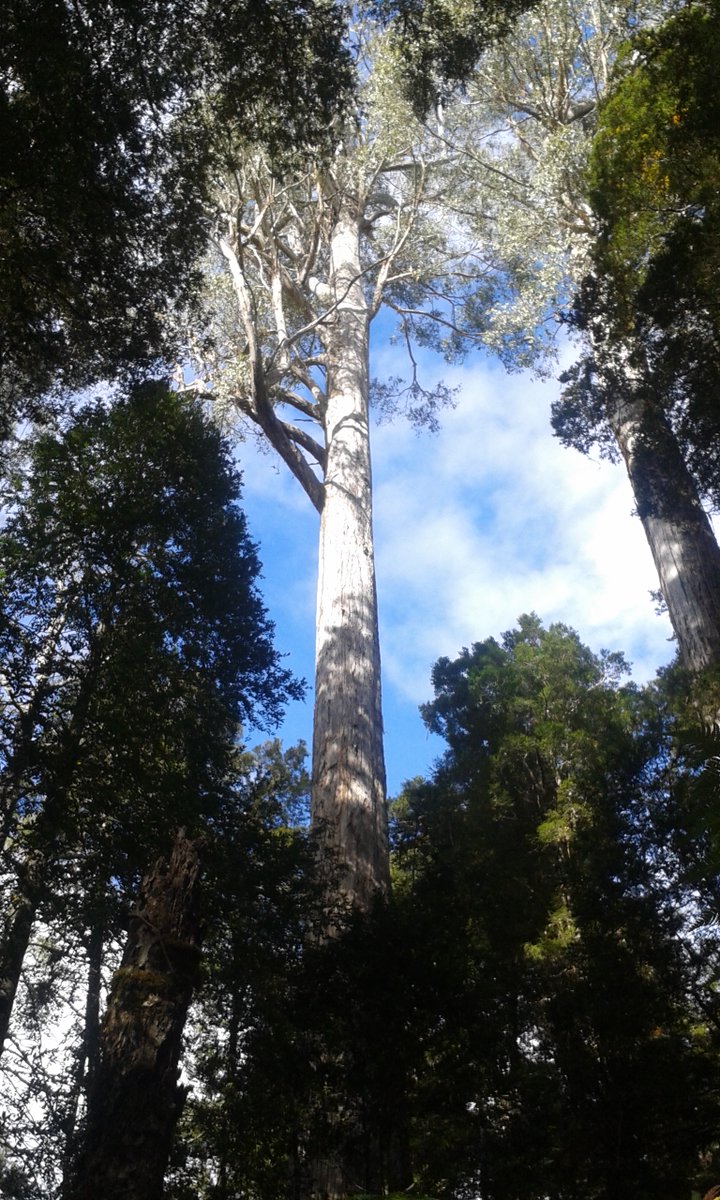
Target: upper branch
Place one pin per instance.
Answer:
(261, 409)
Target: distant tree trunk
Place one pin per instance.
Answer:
(683, 545)
(85, 1064)
(32, 879)
(135, 1100)
(16, 936)
(22, 748)
(348, 789)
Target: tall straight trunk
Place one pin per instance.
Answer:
(348, 787)
(683, 545)
(135, 1099)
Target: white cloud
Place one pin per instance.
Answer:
(493, 517)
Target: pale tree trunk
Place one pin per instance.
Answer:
(321, 372)
(135, 1099)
(348, 789)
(21, 753)
(85, 1064)
(348, 785)
(683, 545)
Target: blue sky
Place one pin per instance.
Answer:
(487, 519)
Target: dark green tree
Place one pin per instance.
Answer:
(561, 1053)
(653, 178)
(242, 1125)
(441, 43)
(106, 119)
(135, 643)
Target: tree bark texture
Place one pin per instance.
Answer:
(135, 1099)
(683, 545)
(348, 789)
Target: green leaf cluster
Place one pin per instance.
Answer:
(655, 164)
(654, 182)
(442, 40)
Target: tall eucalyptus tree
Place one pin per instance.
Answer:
(304, 263)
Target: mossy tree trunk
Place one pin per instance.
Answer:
(679, 533)
(135, 1099)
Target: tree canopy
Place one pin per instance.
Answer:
(134, 644)
(533, 862)
(107, 112)
(653, 181)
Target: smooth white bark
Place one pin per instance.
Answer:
(348, 792)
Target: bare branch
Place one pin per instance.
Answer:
(260, 409)
(308, 443)
(309, 410)
(398, 243)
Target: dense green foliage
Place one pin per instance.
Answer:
(533, 1014)
(655, 161)
(112, 115)
(567, 986)
(653, 180)
(124, 560)
(442, 40)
